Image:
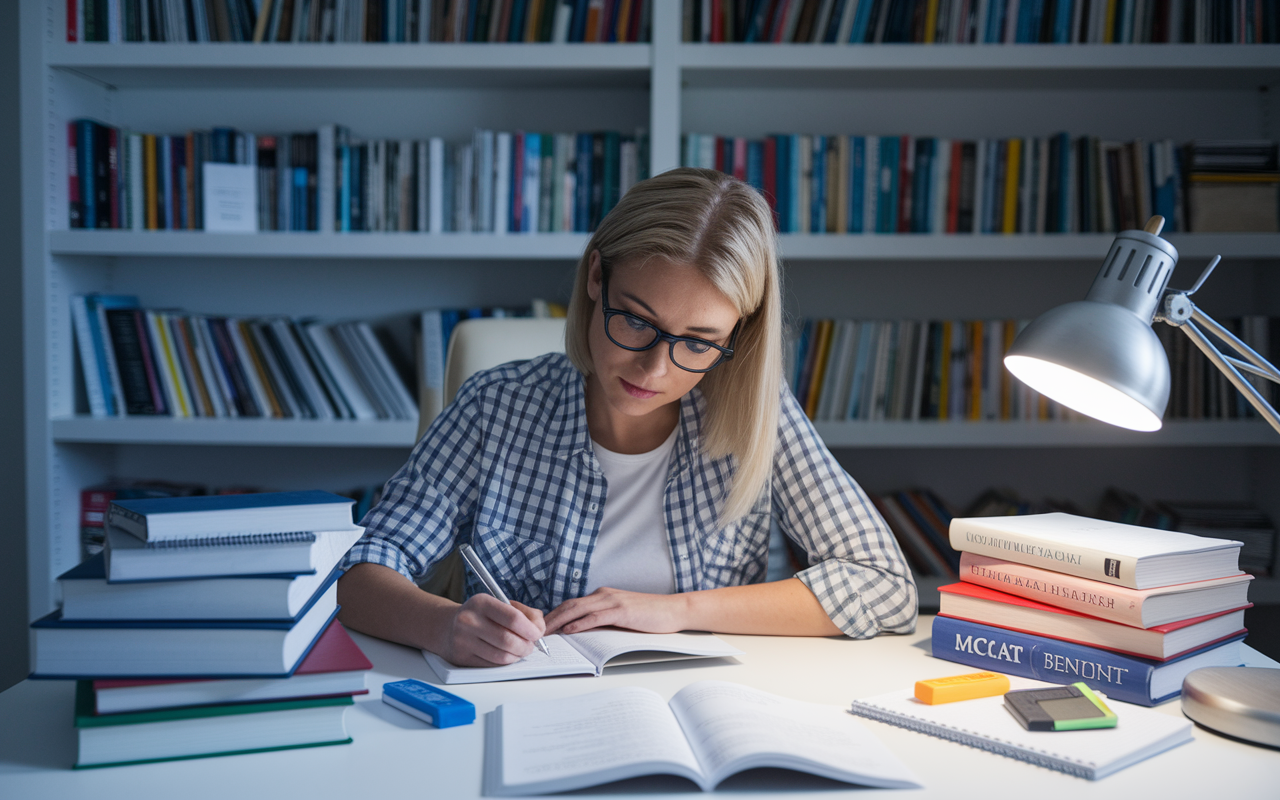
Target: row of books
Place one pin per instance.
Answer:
(1198, 390)
(207, 627)
(359, 21)
(499, 182)
(910, 184)
(981, 21)
(1128, 610)
(151, 362)
(874, 370)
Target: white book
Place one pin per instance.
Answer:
(464, 179)
(292, 408)
(216, 367)
(986, 724)
(422, 203)
(502, 182)
(404, 185)
(835, 385)
(435, 176)
(559, 163)
(213, 377)
(341, 406)
(484, 193)
(360, 407)
(532, 182)
(89, 367)
(166, 365)
(706, 152)
(88, 595)
(386, 371)
(941, 185)
(709, 731)
(301, 369)
(588, 653)
(1111, 552)
(431, 368)
(361, 367)
(259, 392)
(846, 22)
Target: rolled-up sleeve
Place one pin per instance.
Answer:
(431, 498)
(858, 572)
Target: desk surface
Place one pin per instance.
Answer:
(395, 755)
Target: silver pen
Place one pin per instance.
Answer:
(478, 567)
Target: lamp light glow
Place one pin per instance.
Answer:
(1082, 393)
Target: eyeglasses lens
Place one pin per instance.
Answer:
(638, 335)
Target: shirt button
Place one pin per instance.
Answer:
(593, 507)
(577, 573)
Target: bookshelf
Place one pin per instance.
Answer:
(668, 87)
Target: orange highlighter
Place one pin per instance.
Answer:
(961, 687)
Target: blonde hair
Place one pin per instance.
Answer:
(724, 229)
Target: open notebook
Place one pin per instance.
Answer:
(587, 654)
(985, 724)
(709, 731)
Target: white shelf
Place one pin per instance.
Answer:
(375, 65)
(933, 433)
(298, 244)
(544, 246)
(259, 432)
(1182, 66)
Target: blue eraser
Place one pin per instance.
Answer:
(428, 703)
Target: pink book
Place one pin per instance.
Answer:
(1138, 608)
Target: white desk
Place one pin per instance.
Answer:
(396, 756)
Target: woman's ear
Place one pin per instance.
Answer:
(594, 276)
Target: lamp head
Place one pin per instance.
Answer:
(1099, 356)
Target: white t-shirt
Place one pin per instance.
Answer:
(631, 550)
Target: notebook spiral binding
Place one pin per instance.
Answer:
(1075, 768)
(234, 540)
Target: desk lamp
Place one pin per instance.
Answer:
(1100, 357)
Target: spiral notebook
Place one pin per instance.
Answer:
(985, 724)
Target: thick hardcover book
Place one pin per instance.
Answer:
(1140, 608)
(200, 732)
(1126, 678)
(1111, 552)
(206, 649)
(990, 607)
(707, 732)
(335, 666)
(167, 518)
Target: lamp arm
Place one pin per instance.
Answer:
(1181, 313)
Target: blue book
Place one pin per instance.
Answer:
(1120, 677)
(782, 180)
(990, 184)
(887, 203)
(1062, 23)
(85, 166)
(995, 22)
(578, 28)
(866, 335)
(802, 352)
(1026, 14)
(170, 649)
(179, 518)
(104, 349)
(817, 211)
(1064, 181)
(755, 164)
(857, 183)
(861, 21)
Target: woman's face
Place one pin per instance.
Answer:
(675, 298)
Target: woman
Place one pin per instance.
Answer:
(631, 482)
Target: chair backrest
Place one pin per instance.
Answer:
(482, 343)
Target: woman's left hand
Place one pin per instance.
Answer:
(637, 611)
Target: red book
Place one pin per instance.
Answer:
(72, 33)
(720, 154)
(75, 204)
(906, 168)
(334, 667)
(717, 23)
(1161, 643)
(771, 176)
(740, 158)
(517, 181)
(113, 173)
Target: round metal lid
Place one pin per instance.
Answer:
(1243, 702)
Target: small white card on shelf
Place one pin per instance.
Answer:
(230, 198)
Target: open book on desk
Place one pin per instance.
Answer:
(588, 653)
(709, 731)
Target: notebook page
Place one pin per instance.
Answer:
(563, 660)
(1140, 733)
(591, 739)
(601, 645)
(733, 727)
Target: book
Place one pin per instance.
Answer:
(88, 595)
(588, 653)
(1111, 552)
(1140, 608)
(335, 666)
(985, 724)
(175, 518)
(167, 649)
(707, 732)
(204, 731)
(1129, 679)
(131, 559)
(990, 607)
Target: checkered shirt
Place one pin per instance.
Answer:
(509, 467)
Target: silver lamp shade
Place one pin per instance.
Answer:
(1100, 356)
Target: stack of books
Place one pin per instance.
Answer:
(1125, 609)
(207, 627)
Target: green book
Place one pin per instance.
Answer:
(204, 731)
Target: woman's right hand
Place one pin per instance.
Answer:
(486, 632)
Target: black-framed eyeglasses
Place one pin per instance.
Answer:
(689, 353)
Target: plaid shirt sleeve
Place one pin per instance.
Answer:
(859, 574)
(431, 498)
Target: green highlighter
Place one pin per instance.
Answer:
(1062, 708)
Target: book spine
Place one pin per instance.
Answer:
(970, 535)
(1012, 653)
(1101, 600)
